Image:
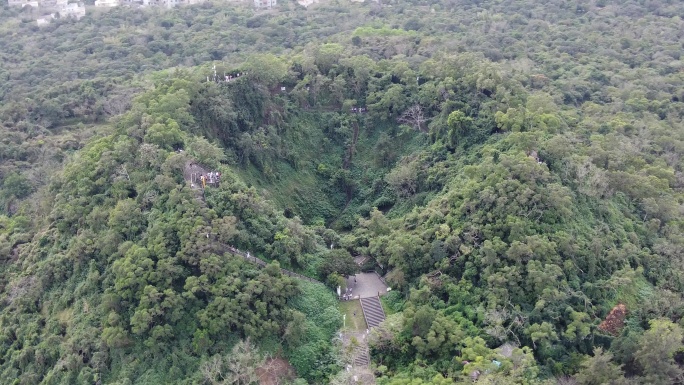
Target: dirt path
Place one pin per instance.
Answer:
(193, 169)
(357, 357)
(352, 148)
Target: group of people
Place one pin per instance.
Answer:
(234, 76)
(211, 178)
(347, 294)
(228, 78)
(358, 109)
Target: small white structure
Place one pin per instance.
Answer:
(306, 3)
(265, 4)
(53, 4)
(23, 3)
(171, 3)
(106, 3)
(45, 20)
(163, 3)
(73, 10)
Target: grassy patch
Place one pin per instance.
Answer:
(354, 322)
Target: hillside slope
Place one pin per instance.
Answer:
(513, 169)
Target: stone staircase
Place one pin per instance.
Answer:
(374, 315)
(361, 355)
(372, 311)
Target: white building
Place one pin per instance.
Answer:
(53, 4)
(265, 3)
(45, 20)
(73, 10)
(306, 3)
(163, 3)
(23, 3)
(106, 3)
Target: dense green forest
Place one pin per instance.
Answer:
(513, 168)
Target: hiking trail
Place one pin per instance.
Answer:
(191, 174)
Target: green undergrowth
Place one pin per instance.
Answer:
(512, 186)
(319, 319)
(321, 184)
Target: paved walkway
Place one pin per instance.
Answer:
(366, 285)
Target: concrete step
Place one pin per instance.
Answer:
(373, 322)
(372, 314)
(361, 361)
(375, 316)
(372, 303)
(372, 311)
(361, 357)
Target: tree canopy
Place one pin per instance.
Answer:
(513, 170)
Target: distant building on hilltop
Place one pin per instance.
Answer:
(64, 8)
(161, 3)
(265, 4)
(72, 10)
(169, 3)
(67, 9)
(45, 20)
(106, 3)
(54, 4)
(306, 3)
(23, 3)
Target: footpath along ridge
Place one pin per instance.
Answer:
(191, 174)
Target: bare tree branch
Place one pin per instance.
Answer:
(414, 117)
